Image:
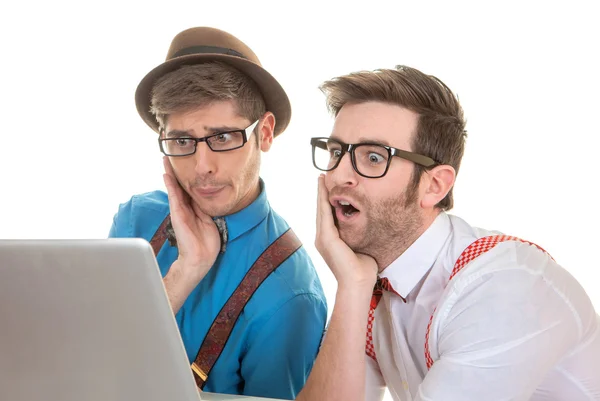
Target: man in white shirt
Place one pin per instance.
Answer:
(458, 313)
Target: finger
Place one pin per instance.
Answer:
(326, 230)
(324, 207)
(167, 166)
(178, 191)
(205, 218)
(319, 202)
(177, 198)
(174, 203)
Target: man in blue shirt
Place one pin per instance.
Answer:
(215, 109)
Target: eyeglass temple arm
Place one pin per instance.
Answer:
(414, 157)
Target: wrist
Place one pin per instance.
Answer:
(357, 283)
(357, 289)
(190, 272)
(353, 300)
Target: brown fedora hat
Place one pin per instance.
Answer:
(204, 44)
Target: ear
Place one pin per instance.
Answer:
(438, 182)
(265, 133)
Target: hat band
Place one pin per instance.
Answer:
(207, 49)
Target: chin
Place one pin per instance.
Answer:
(353, 239)
(212, 210)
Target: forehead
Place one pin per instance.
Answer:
(216, 114)
(375, 121)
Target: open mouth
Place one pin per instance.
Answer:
(347, 209)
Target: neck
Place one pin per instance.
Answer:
(392, 248)
(248, 198)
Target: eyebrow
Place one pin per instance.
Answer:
(362, 139)
(210, 130)
(223, 128)
(177, 133)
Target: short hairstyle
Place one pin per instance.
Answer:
(199, 85)
(440, 132)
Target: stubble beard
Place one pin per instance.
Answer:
(391, 226)
(246, 184)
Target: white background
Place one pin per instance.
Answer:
(74, 147)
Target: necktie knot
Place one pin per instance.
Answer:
(381, 285)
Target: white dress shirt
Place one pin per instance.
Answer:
(512, 325)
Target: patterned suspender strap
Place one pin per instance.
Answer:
(477, 248)
(216, 338)
(159, 237)
(218, 334)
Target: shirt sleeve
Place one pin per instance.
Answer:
(282, 351)
(505, 332)
(113, 233)
(121, 224)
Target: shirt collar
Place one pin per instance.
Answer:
(247, 218)
(405, 272)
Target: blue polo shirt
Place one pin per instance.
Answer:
(275, 341)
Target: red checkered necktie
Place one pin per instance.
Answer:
(382, 284)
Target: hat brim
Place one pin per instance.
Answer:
(276, 100)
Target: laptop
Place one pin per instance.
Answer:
(88, 320)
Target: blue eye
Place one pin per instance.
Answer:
(375, 158)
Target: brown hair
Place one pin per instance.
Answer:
(198, 85)
(440, 131)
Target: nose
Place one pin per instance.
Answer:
(206, 160)
(344, 174)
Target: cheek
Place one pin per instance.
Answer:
(375, 193)
(183, 168)
(399, 177)
(241, 167)
(329, 181)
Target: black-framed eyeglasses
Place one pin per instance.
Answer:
(217, 142)
(370, 160)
